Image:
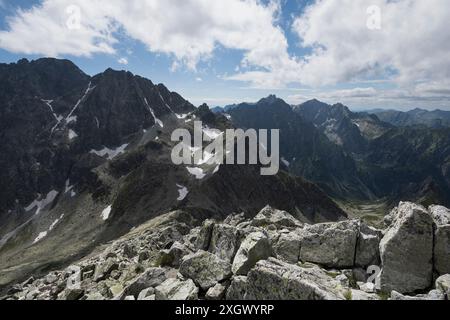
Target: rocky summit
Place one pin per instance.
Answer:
(270, 257)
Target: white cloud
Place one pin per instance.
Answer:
(198, 79)
(188, 30)
(413, 42)
(123, 61)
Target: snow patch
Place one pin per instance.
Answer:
(111, 153)
(72, 134)
(70, 118)
(216, 169)
(212, 133)
(53, 225)
(157, 121)
(41, 236)
(197, 172)
(106, 212)
(41, 204)
(183, 192)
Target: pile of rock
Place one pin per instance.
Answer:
(273, 256)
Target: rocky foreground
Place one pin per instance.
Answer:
(272, 256)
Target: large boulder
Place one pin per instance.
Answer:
(204, 235)
(205, 268)
(443, 284)
(172, 257)
(225, 241)
(276, 280)
(407, 250)
(254, 248)
(152, 277)
(280, 219)
(237, 289)
(368, 246)
(287, 247)
(216, 293)
(175, 289)
(330, 244)
(441, 216)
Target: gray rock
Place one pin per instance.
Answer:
(443, 284)
(172, 257)
(276, 280)
(237, 289)
(144, 294)
(343, 280)
(95, 296)
(368, 287)
(440, 214)
(368, 246)
(204, 236)
(330, 244)
(254, 248)
(175, 289)
(357, 295)
(287, 247)
(103, 270)
(205, 268)
(442, 249)
(152, 277)
(235, 219)
(280, 219)
(407, 249)
(432, 295)
(216, 293)
(225, 241)
(71, 294)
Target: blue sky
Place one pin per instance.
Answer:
(242, 50)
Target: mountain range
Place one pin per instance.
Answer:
(86, 160)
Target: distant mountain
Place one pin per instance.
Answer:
(355, 155)
(431, 119)
(305, 149)
(86, 159)
(350, 130)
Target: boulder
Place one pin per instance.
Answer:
(276, 280)
(204, 235)
(443, 284)
(172, 257)
(103, 270)
(442, 249)
(357, 295)
(281, 219)
(254, 248)
(287, 247)
(407, 250)
(434, 295)
(440, 214)
(216, 293)
(71, 294)
(175, 289)
(225, 241)
(144, 294)
(368, 246)
(152, 277)
(330, 244)
(237, 289)
(205, 268)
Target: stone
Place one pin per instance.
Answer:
(287, 247)
(129, 251)
(225, 241)
(440, 214)
(254, 248)
(443, 284)
(235, 219)
(216, 293)
(103, 270)
(129, 298)
(330, 244)
(152, 277)
(368, 287)
(237, 289)
(407, 250)
(358, 295)
(343, 280)
(172, 257)
(175, 289)
(205, 268)
(51, 278)
(95, 296)
(204, 236)
(368, 246)
(280, 219)
(442, 249)
(146, 293)
(71, 294)
(435, 295)
(276, 280)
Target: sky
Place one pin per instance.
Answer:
(366, 53)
